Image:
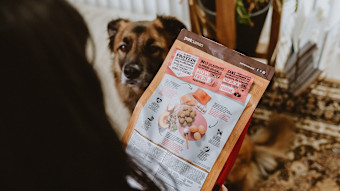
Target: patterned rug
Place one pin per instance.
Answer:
(314, 157)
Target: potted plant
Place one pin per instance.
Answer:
(250, 17)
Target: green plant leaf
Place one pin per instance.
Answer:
(242, 15)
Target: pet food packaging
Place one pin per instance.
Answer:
(187, 122)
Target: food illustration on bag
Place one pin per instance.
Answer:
(189, 120)
(190, 123)
(201, 96)
(185, 117)
(188, 100)
(167, 120)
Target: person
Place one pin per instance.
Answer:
(55, 134)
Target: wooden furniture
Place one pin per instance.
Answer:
(224, 29)
(225, 22)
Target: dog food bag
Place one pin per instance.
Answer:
(193, 112)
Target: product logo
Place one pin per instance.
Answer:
(193, 41)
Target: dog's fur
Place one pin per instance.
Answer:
(259, 153)
(139, 49)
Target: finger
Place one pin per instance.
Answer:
(224, 188)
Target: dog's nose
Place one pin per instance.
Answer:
(132, 71)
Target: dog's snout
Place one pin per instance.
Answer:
(132, 71)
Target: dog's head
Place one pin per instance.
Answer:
(140, 47)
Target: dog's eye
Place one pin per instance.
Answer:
(154, 49)
(123, 48)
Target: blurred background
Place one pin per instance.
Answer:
(300, 38)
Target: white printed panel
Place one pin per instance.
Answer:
(183, 64)
(159, 121)
(176, 173)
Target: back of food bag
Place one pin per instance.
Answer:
(191, 115)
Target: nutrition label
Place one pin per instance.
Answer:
(175, 172)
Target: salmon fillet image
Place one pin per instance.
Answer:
(201, 96)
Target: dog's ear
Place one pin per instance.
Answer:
(113, 28)
(171, 25)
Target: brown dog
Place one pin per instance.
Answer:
(139, 50)
(259, 153)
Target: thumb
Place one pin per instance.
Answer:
(220, 188)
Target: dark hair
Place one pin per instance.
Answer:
(54, 133)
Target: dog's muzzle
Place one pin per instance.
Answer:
(131, 74)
